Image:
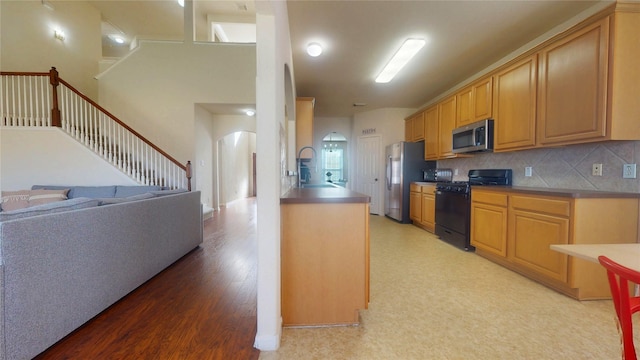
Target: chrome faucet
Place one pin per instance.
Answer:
(299, 161)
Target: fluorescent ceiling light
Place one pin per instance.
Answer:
(314, 49)
(406, 52)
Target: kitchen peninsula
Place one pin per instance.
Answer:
(325, 256)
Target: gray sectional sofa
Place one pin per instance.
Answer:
(63, 263)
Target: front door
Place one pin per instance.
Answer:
(368, 170)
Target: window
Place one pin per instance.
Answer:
(332, 164)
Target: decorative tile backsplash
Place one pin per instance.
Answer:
(567, 167)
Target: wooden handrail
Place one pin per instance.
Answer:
(55, 81)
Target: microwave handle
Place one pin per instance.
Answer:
(479, 134)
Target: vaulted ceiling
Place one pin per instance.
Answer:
(463, 38)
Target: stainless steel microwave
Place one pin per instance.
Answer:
(474, 137)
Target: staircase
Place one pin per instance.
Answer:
(45, 100)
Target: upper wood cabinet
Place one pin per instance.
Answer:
(418, 127)
(408, 129)
(304, 125)
(514, 105)
(414, 128)
(446, 124)
(431, 133)
(572, 87)
(474, 102)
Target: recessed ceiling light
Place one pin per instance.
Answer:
(116, 38)
(407, 51)
(181, 3)
(250, 112)
(314, 49)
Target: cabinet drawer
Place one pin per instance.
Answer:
(428, 189)
(414, 187)
(489, 198)
(554, 206)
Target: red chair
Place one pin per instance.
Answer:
(624, 302)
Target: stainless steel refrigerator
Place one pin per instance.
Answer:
(404, 164)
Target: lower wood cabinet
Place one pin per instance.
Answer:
(516, 229)
(325, 263)
(489, 215)
(422, 206)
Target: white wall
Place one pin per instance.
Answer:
(275, 95)
(236, 171)
(209, 129)
(389, 124)
(28, 44)
(49, 156)
(155, 88)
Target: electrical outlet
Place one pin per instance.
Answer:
(455, 171)
(629, 171)
(528, 171)
(596, 170)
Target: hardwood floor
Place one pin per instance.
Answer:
(201, 307)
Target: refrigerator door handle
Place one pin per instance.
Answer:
(389, 171)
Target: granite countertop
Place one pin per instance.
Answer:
(570, 193)
(332, 195)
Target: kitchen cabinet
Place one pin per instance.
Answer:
(428, 219)
(324, 256)
(422, 205)
(474, 102)
(446, 124)
(304, 125)
(572, 87)
(536, 223)
(489, 222)
(515, 227)
(514, 107)
(414, 128)
(415, 203)
(431, 133)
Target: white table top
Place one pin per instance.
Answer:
(627, 255)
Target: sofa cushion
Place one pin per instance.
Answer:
(126, 191)
(82, 191)
(54, 207)
(39, 197)
(118, 200)
(13, 200)
(168, 192)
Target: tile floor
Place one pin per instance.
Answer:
(430, 300)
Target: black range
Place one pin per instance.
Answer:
(453, 204)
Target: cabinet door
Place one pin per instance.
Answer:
(408, 130)
(429, 209)
(431, 133)
(489, 228)
(572, 89)
(415, 206)
(418, 127)
(530, 236)
(304, 125)
(447, 122)
(465, 111)
(482, 99)
(515, 105)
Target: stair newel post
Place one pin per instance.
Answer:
(188, 171)
(55, 111)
